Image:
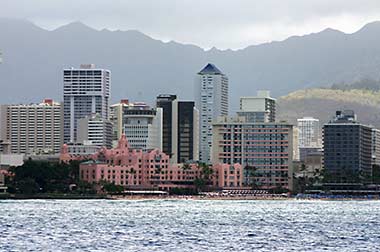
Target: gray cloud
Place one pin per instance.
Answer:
(220, 23)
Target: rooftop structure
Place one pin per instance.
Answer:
(260, 108)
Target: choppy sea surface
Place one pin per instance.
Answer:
(189, 225)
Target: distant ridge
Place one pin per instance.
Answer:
(142, 67)
(322, 104)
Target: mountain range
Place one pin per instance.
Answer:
(143, 67)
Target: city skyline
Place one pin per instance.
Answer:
(189, 125)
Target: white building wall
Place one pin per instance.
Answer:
(95, 130)
(86, 91)
(309, 132)
(144, 131)
(212, 101)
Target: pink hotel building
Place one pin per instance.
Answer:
(135, 169)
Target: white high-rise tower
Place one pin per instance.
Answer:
(86, 92)
(212, 101)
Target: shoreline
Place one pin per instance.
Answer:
(181, 197)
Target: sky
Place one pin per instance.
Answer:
(225, 24)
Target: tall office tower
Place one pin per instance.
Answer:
(180, 128)
(95, 130)
(143, 126)
(260, 108)
(116, 118)
(86, 91)
(188, 132)
(265, 150)
(347, 148)
(169, 105)
(211, 99)
(34, 128)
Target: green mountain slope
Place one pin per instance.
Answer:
(322, 103)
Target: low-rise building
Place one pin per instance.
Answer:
(9, 160)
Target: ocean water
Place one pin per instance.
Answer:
(189, 225)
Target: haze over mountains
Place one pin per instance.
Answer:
(142, 67)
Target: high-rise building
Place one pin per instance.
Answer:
(95, 130)
(265, 150)
(348, 148)
(212, 101)
(188, 132)
(143, 126)
(375, 147)
(180, 128)
(169, 105)
(260, 108)
(86, 91)
(4, 141)
(33, 128)
(309, 133)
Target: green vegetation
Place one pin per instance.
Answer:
(360, 96)
(366, 83)
(47, 177)
(111, 187)
(204, 180)
(322, 103)
(376, 174)
(183, 191)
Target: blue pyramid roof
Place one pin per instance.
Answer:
(210, 69)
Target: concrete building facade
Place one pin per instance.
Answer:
(260, 108)
(348, 148)
(32, 128)
(265, 150)
(309, 133)
(143, 126)
(94, 130)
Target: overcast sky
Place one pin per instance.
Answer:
(206, 23)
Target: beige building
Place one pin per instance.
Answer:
(116, 118)
(32, 128)
(265, 150)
